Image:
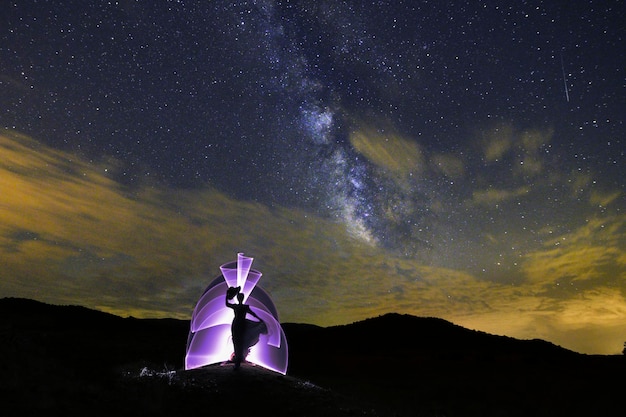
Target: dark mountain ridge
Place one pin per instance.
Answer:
(394, 364)
(397, 335)
(409, 334)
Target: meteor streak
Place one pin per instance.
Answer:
(564, 79)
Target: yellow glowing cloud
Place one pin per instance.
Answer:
(573, 263)
(449, 165)
(529, 166)
(48, 194)
(494, 196)
(504, 140)
(589, 322)
(497, 142)
(603, 199)
(533, 139)
(593, 321)
(591, 252)
(391, 152)
(70, 235)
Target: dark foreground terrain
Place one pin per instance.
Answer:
(68, 360)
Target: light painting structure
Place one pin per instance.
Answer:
(210, 339)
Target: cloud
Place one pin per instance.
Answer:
(578, 182)
(496, 142)
(492, 197)
(532, 152)
(71, 235)
(524, 151)
(592, 322)
(575, 263)
(449, 165)
(604, 199)
(389, 151)
(594, 252)
(86, 240)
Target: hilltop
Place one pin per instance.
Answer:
(77, 361)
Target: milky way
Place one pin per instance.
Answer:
(485, 139)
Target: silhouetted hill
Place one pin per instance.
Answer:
(73, 360)
(410, 336)
(429, 366)
(89, 339)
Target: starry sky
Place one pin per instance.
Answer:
(461, 160)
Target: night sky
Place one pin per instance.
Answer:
(461, 160)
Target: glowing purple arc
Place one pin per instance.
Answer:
(210, 339)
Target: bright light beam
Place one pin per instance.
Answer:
(210, 338)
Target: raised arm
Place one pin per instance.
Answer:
(230, 294)
(229, 305)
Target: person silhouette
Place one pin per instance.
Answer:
(245, 333)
